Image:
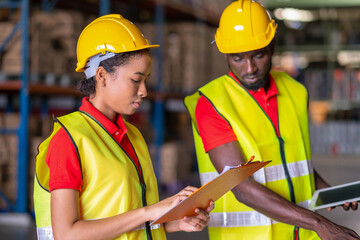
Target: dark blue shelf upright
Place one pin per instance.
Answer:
(22, 131)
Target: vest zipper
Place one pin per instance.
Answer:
(282, 152)
(281, 143)
(289, 181)
(147, 224)
(143, 192)
(143, 189)
(286, 170)
(296, 233)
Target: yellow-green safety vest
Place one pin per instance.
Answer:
(290, 174)
(111, 182)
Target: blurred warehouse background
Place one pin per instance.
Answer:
(318, 43)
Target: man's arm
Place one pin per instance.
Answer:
(271, 204)
(320, 183)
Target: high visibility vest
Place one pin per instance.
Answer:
(290, 174)
(111, 182)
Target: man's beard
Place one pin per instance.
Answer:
(254, 86)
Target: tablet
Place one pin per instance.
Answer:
(335, 196)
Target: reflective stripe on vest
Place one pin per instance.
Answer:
(273, 173)
(244, 219)
(45, 233)
(142, 226)
(290, 173)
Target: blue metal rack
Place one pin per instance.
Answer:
(104, 7)
(21, 202)
(22, 130)
(158, 115)
(20, 205)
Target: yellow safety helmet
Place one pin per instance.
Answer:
(244, 26)
(110, 33)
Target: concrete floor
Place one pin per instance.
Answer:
(18, 233)
(335, 170)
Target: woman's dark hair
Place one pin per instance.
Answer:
(87, 86)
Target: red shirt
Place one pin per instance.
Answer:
(214, 130)
(61, 156)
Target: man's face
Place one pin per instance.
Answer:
(251, 68)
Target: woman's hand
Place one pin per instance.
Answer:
(191, 223)
(158, 209)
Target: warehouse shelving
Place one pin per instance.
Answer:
(15, 86)
(309, 3)
(163, 11)
(332, 82)
(318, 48)
(173, 11)
(24, 89)
(176, 8)
(22, 131)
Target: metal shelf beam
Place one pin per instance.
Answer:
(271, 4)
(22, 130)
(158, 115)
(22, 190)
(104, 7)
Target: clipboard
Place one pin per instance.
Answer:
(211, 191)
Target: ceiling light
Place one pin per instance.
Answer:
(292, 14)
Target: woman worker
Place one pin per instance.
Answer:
(94, 177)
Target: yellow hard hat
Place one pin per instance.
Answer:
(109, 33)
(244, 26)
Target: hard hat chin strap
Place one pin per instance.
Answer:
(94, 61)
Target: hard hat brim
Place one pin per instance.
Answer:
(81, 68)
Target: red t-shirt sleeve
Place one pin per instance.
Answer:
(214, 130)
(63, 162)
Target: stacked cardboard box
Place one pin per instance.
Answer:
(9, 156)
(189, 58)
(149, 32)
(215, 7)
(10, 58)
(53, 41)
(39, 129)
(218, 64)
(210, 7)
(177, 154)
(195, 43)
(189, 62)
(52, 48)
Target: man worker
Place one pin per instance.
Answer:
(255, 111)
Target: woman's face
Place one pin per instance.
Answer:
(124, 89)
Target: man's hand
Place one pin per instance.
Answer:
(347, 206)
(331, 231)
